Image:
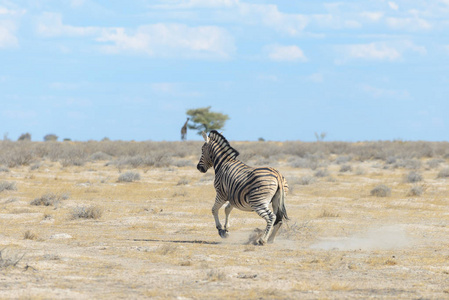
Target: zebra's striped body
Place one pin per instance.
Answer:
(242, 186)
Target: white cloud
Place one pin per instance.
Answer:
(10, 12)
(408, 23)
(373, 16)
(393, 5)
(8, 38)
(176, 40)
(19, 114)
(183, 4)
(382, 93)
(285, 53)
(268, 77)
(270, 16)
(378, 51)
(372, 51)
(163, 87)
(241, 12)
(316, 78)
(77, 3)
(51, 25)
(8, 24)
(161, 40)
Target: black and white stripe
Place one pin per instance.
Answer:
(243, 187)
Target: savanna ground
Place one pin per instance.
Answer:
(133, 220)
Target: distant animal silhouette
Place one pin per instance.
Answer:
(243, 187)
(184, 130)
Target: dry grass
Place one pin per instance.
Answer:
(28, 235)
(328, 214)
(156, 238)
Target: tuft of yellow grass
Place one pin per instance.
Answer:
(340, 286)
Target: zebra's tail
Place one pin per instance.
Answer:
(279, 200)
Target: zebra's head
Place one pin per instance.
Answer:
(206, 155)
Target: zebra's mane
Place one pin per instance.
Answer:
(223, 142)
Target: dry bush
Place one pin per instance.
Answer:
(8, 262)
(4, 169)
(294, 231)
(304, 163)
(16, 153)
(412, 164)
(345, 168)
(163, 154)
(321, 173)
(129, 177)
(343, 159)
(381, 191)
(413, 177)
(304, 180)
(183, 163)
(360, 171)
(82, 212)
(99, 156)
(35, 166)
(415, 191)
(435, 163)
(7, 186)
(444, 173)
(216, 275)
(49, 199)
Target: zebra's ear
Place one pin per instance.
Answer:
(206, 138)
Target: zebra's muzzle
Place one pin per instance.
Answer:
(201, 168)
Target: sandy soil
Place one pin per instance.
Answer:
(156, 237)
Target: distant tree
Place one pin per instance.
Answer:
(320, 137)
(5, 136)
(67, 139)
(205, 120)
(50, 137)
(24, 137)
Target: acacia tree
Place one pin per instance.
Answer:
(202, 119)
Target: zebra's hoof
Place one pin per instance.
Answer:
(260, 242)
(223, 233)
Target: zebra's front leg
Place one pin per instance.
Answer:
(217, 205)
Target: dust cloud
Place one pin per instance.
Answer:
(382, 238)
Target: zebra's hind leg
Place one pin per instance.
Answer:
(276, 227)
(270, 218)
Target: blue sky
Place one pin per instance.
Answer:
(282, 70)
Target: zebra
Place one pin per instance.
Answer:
(243, 187)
